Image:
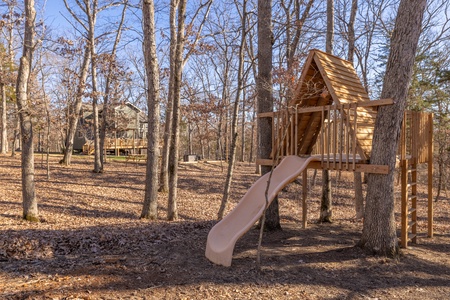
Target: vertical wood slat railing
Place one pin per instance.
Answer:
(337, 141)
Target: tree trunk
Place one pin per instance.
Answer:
(326, 209)
(234, 125)
(351, 31)
(172, 210)
(4, 133)
(264, 85)
(359, 197)
(73, 118)
(326, 212)
(330, 27)
(379, 232)
(30, 208)
(164, 174)
(150, 207)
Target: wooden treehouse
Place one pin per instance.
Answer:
(331, 117)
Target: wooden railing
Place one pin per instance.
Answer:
(340, 134)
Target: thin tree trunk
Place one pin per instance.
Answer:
(4, 133)
(326, 205)
(379, 231)
(164, 174)
(359, 197)
(92, 16)
(234, 124)
(172, 210)
(73, 118)
(150, 207)
(16, 134)
(106, 97)
(30, 208)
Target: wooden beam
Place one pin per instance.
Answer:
(359, 167)
(430, 176)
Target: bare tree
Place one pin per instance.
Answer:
(76, 107)
(379, 233)
(234, 125)
(111, 63)
(150, 207)
(172, 210)
(30, 208)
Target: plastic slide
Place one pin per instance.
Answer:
(223, 236)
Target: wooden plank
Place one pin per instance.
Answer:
(375, 169)
(266, 115)
(430, 176)
(404, 207)
(304, 198)
(333, 59)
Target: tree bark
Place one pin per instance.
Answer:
(172, 210)
(30, 208)
(379, 231)
(264, 85)
(150, 207)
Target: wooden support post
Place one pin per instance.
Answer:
(430, 176)
(404, 206)
(414, 201)
(304, 198)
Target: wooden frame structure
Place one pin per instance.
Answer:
(331, 116)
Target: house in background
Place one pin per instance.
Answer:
(126, 131)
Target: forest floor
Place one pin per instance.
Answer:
(91, 244)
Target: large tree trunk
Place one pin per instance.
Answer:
(30, 209)
(150, 208)
(379, 232)
(264, 85)
(172, 210)
(73, 118)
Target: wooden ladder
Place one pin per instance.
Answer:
(409, 202)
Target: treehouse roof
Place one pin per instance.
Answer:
(327, 79)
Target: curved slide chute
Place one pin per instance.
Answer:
(223, 236)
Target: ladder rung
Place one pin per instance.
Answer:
(412, 197)
(411, 224)
(411, 210)
(411, 184)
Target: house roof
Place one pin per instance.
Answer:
(327, 79)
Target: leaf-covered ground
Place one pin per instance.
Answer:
(91, 243)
